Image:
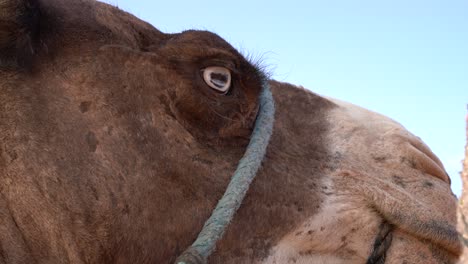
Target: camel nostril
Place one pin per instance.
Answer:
(424, 160)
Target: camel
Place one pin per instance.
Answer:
(118, 140)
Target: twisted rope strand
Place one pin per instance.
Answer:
(223, 214)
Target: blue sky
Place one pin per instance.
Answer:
(405, 59)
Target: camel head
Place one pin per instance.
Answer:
(117, 141)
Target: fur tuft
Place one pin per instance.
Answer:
(259, 61)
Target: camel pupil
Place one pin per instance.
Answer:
(219, 79)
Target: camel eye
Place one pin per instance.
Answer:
(218, 78)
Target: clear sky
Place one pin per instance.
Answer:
(405, 59)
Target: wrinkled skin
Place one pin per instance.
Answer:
(114, 150)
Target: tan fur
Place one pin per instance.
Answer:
(114, 150)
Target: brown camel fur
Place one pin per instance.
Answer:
(114, 150)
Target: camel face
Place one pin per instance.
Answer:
(117, 141)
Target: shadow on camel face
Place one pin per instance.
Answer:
(117, 141)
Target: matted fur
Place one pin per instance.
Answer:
(113, 150)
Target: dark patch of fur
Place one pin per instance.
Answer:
(84, 106)
(408, 161)
(379, 159)
(92, 141)
(428, 184)
(398, 180)
(19, 32)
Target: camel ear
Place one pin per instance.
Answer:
(19, 26)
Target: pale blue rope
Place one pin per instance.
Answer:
(248, 166)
